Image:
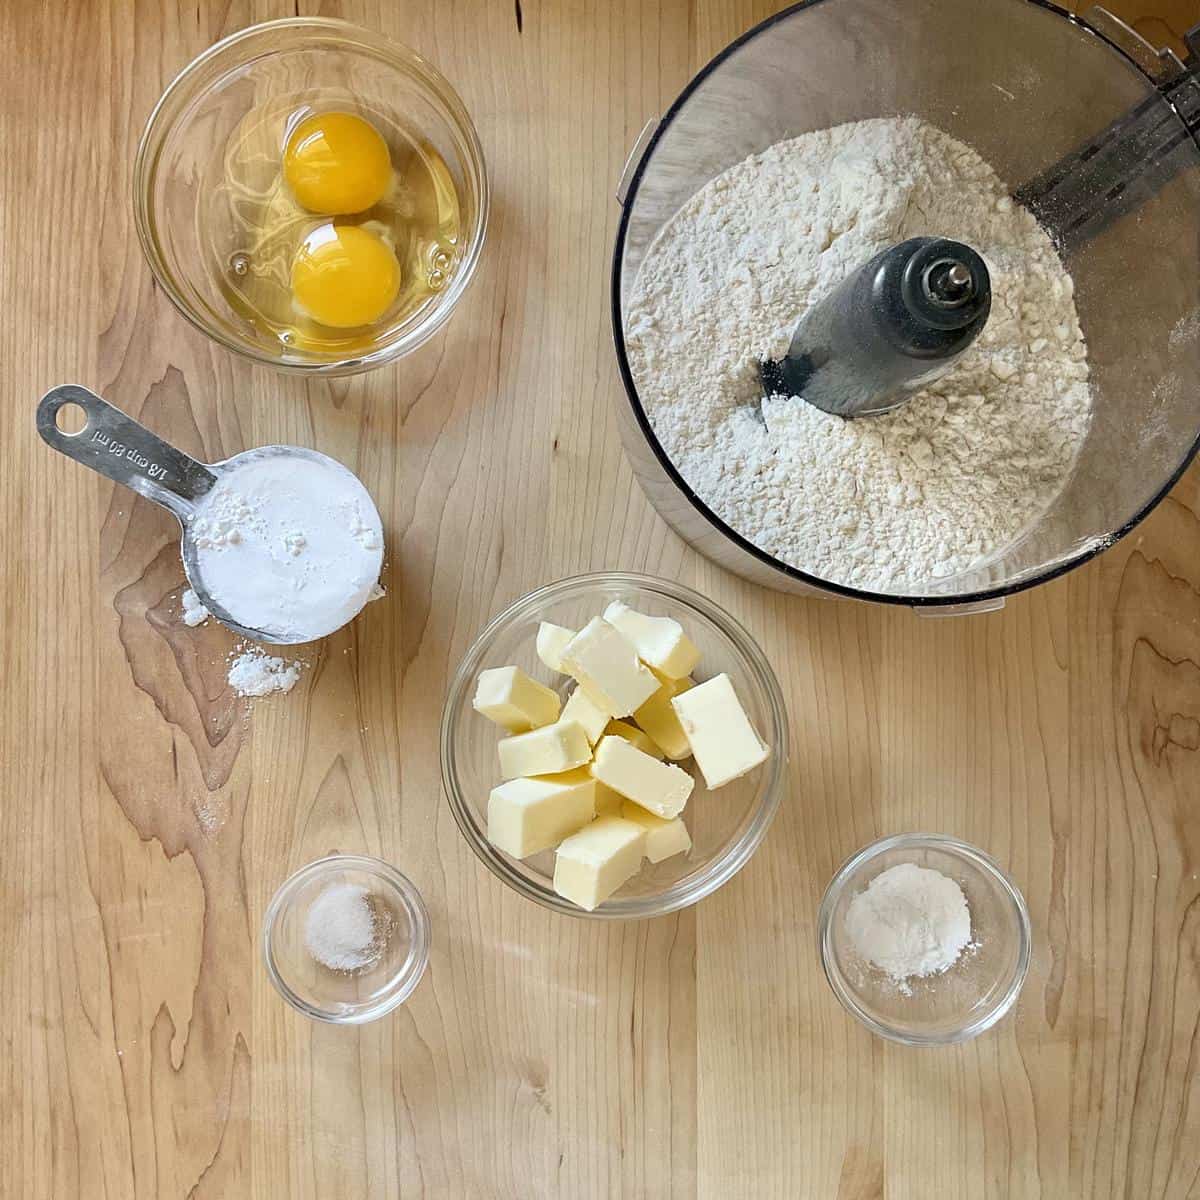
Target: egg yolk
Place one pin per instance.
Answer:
(336, 163)
(344, 276)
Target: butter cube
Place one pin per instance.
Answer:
(607, 668)
(582, 708)
(658, 719)
(660, 642)
(608, 802)
(593, 863)
(509, 697)
(528, 815)
(635, 737)
(663, 838)
(658, 786)
(720, 734)
(551, 642)
(546, 751)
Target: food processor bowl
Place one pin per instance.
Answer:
(1031, 88)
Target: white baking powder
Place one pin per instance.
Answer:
(889, 502)
(910, 922)
(288, 545)
(342, 930)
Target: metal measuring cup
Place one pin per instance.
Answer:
(116, 446)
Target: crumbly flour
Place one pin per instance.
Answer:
(910, 922)
(890, 502)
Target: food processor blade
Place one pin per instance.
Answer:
(890, 327)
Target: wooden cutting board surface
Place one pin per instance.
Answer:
(147, 814)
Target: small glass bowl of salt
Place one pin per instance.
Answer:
(924, 939)
(346, 939)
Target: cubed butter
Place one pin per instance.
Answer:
(608, 802)
(606, 666)
(528, 815)
(658, 786)
(660, 641)
(658, 719)
(546, 751)
(663, 838)
(720, 734)
(582, 708)
(551, 642)
(591, 864)
(635, 737)
(509, 697)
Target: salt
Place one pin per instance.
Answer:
(342, 930)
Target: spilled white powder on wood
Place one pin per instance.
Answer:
(254, 672)
(892, 502)
(342, 929)
(1185, 331)
(211, 812)
(194, 613)
(910, 922)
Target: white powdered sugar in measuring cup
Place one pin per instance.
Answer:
(288, 543)
(280, 544)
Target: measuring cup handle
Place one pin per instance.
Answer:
(117, 447)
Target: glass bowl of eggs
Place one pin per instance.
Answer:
(312, 196)
(648, 812)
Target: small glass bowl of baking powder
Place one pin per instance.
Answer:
(346, 939)
(954, 1004)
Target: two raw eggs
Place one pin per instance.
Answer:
(344, 275)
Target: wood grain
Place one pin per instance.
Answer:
(147, 815)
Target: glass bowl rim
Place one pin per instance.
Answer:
(399, 55)
(636, 168)
(723, 867)
(955, 847)
(404, 981)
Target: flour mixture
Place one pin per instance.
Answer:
(889, 502)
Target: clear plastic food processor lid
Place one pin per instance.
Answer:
(1093, 130)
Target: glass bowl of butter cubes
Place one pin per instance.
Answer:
(614, 746)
